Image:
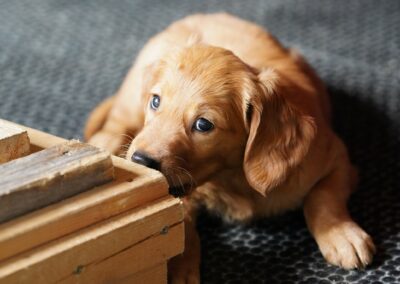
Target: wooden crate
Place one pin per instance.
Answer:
(123, 231)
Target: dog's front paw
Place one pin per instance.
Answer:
(108, 141)
(183, 271)
(346, 245)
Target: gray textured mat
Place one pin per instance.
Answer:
(58, 59)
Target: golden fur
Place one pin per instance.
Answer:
(272, 148)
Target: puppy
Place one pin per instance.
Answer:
(240, 125)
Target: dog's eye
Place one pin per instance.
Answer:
(155, 102)
(203, 125)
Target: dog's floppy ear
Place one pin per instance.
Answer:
(279, 135)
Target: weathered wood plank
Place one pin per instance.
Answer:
(134, 259)
(59, 259)
(41, 140)
(154, 275)
(14, 142)
(127, 191)
(51, 175)
(133, 186)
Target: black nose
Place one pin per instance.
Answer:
(145, 160)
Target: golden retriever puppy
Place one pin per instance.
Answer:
(239, 124)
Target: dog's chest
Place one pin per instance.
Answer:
(231, 206)
(235, 201)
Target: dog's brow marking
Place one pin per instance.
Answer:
(181, 66)
(156, 90)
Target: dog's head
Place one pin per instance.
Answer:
(206, 110)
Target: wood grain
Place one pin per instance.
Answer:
(127, 191)
(97, 245)
(51, 175)
(41, 140)
(133, 186)
(14, 142)
(103, 235)
(153, 275)
(134, 259)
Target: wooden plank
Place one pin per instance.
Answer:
(37, 137)
(134, 185)
(51, 175)
(127, 191)
(14, 142)
(41, 140)
(154, 275)
(134, 259)
(59, 259)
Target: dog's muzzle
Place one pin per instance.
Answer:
(179, 191)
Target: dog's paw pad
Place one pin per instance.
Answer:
(347, 245)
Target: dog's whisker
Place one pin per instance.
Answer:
(123, 153)
(123, 150)
(168, 175)
(188, 174)
(182, 159)
(177, 174)
(180, 181)
(127, 136)
(192, 182)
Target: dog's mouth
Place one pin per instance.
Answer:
(181, 182)
(179, 190)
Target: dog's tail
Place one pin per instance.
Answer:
(98, 117)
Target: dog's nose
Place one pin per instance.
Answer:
(145, 160)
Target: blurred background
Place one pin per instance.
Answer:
(60, 58)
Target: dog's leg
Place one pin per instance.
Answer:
(112, 136)
(118, 130)
(114, 123)
(342, 242)
(184, 268)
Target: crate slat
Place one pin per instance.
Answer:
(123, 231)
(134, 185)
(127, 191)
(157, 274)
(133, 260)
(14, 142)
(51, 175)
(57, 260)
